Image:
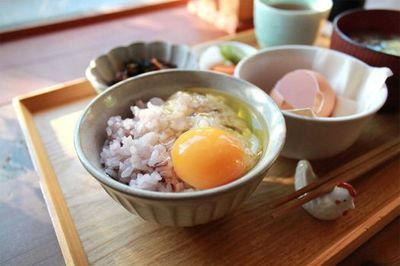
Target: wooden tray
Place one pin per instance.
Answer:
(93, 229)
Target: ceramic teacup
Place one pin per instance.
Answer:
(279, 22)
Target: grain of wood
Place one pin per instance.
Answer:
(25, 65)
(381, 249)
(346, 173)
(36, 29)
(115, 236)
(65, 230)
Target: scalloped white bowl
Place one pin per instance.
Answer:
(198, 50)
(184, 208)
(102, 69)
(322, 137)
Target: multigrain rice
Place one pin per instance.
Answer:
(137, 150)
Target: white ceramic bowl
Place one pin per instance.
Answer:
(101, 70)
(184, 208)
(198, 50)
(319, 138)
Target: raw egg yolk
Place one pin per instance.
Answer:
(208, 157)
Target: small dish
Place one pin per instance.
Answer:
(322, 137)
(103, 69)
(203, 53)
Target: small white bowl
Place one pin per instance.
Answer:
(318, 138)
(101, 70)
(199, 49)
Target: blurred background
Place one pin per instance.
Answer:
(22, 13)
(228, 15)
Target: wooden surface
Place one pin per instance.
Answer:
(228, 15)
(45, 60)
(27, 236)
(69, 240)
(381, 249)
(249, 234)
(110, 234)
(36, 29)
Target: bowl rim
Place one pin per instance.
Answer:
(255, 171)
(102, 86)
(199, 49)
(296, 12)
(356, 116)
(348, 39)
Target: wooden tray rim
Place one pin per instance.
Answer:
(64, 227)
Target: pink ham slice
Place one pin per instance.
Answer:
(302, 89)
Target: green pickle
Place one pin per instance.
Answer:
(232, 53)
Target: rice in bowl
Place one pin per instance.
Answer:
(137, 151)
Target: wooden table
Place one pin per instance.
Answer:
(27, 235)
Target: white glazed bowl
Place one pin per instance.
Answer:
(102, 69)
(199, 49)
(319, 138)
(183, 208)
